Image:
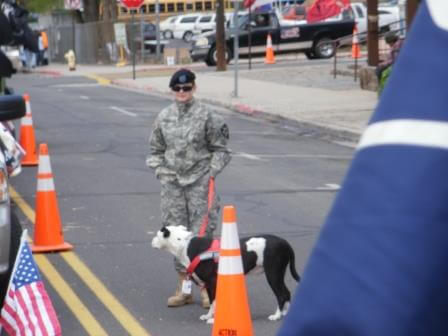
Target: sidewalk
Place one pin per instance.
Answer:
(306, 96)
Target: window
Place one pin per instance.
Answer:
(170, 7)
(162, 8)
(360, 12)
(124, 10)
(143, 9)
(189, 19)
(208, 5)
(198, 5)
(179, 8)
(152, 8)
(206, 18)
(189, 6)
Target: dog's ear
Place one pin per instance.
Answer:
(165, 231)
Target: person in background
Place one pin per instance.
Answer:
(44, 37)
(188, 149)
(395, 43)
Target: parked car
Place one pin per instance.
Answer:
(11, 107)
(185, 26)
(149, 33)
(388, 15)
(167, 27)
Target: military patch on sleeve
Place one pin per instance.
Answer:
(225, 131)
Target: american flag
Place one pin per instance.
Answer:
(27, 309)
(323, 9)
(379, 266)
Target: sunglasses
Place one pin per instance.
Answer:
(184, 88)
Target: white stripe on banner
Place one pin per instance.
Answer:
(45, 184)
(406, 132)
(44, 165)
(229, 238)
(230, 265)
(439, 12)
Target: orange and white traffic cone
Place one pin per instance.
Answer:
(48, 234)
(356, 49)
(232, 314)
(270, 58)
(27, 140)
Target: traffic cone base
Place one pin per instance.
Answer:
(48, 235)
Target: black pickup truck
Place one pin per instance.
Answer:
(315, 40)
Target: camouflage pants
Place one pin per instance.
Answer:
(187, 205)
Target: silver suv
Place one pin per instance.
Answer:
(11, 107)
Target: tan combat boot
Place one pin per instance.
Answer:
(204, 299)
(179, 299)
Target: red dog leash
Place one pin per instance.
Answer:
(211, 196)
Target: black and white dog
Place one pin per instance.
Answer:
(267, 253)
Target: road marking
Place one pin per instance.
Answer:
(70, 298)
(100, 80)
(84, 97)
(298, 156)
(76, 85)
(131, 114)
(121, 314)
(249, 156)
(330, 186)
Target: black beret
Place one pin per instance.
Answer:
(182, 76)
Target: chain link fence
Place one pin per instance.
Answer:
(94, 43)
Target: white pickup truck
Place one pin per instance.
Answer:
(388, 16)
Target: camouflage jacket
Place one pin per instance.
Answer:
(188, 141)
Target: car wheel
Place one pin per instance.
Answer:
(212, 58)
(188, 36)
(16, 233)
(310, 55)
(168, 34)
(324, 48)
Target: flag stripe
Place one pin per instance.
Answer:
(35, 314)
(406, 132)
(28, 310)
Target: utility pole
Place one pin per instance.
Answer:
(372, 32)
(221, 64)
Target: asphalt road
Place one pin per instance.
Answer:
(113, 282)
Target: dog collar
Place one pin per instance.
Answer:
(211, 253)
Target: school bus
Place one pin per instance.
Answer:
(172, 7)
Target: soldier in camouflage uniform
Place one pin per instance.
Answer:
(188, 147)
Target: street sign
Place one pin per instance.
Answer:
(132, 4)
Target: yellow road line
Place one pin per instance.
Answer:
(72, 301)
(122, 315)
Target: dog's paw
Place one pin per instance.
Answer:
(210, 321)
(204, 317)
(276, 316)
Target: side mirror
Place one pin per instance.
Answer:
(12, 107)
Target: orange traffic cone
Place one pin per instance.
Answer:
(232, 315)
(356, 49)
(270, 59)
(47, 227)
(27, 140)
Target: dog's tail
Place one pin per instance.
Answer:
(292, 264)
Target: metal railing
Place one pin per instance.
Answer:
(346, 41)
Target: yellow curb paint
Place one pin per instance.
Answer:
(100, 80)
(121, 314)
